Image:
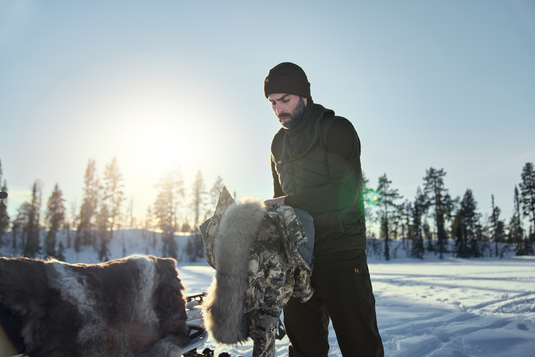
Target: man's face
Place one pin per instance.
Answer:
(289, 108)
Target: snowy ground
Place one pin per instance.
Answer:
(454, 307)
(451, 307)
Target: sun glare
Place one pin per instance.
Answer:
(159, 131)
(156, 150)
(153, 124)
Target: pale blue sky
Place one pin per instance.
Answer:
(444, 84)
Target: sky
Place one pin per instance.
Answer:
(163, 84)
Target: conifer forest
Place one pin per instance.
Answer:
(431, 221)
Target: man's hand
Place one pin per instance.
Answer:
(275, 201)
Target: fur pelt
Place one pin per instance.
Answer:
(224, 310)
(126, 307)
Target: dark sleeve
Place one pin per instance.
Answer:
(343, 159)
(277, 189)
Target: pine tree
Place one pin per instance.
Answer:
(190, 250)
(500, 235)
(32, 247)
(148, 231)
(20, 226)
(132, 221)
(516, 232)
(73, 222)
(104, 232)
(67, 229)
(214, 193)
(428, 235)
(396, 221)
(461, 248)
(85, 233)
(480, 244)
(370, 199)
(496, 226)
(386, 198)
(419, 208)
(195, 247)
(186, 228)
(4, 216)
(198, 204)
(61, 252)
(527, 192)
(439, 198)
(165, 210)
(113, 192)
(405, 212)
(470, 219)
(55, 217)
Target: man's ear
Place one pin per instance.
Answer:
(305, 99)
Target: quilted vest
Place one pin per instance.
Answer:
(337, 230)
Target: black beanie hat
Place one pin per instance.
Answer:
(288, 78)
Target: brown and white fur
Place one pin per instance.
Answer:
(126, 307)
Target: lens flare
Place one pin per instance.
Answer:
(6, 347)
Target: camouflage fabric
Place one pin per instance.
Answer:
(210, 227)
(276, 271)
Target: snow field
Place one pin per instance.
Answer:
(456, 307)
(451, 307)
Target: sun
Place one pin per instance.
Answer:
(153, 125)
(156, 151)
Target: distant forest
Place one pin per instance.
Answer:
(454, 219)
(103, 211)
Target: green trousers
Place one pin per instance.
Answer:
(343, 293)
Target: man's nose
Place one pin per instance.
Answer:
(278, 108)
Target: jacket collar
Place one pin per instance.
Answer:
(291, 144)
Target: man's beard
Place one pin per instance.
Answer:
(295, 117)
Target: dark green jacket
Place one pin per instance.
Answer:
(317, 166)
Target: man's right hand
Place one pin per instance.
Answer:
(275, 201)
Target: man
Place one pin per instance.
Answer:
(315, 162)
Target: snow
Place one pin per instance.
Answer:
(455, 307)
(451, 307)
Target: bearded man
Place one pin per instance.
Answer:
(315, 162)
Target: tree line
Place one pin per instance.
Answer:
(455, 220)
(103, 211)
